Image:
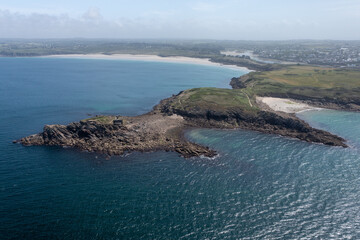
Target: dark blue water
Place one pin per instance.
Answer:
(261, 186)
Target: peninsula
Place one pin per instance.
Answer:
(246, 106)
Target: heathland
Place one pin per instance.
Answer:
(324, 87)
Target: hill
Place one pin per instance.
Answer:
(325, 87)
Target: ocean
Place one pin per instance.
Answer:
(259, 187)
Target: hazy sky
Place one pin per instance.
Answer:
(211, 19)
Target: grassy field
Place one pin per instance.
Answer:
(213, 99)
(337, 85)
(307, 76)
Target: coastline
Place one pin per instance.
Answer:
(285, 105)
(148, 58)
(163, 127)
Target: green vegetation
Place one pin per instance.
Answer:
(101, 119)
(307, 82)
(213, 99)
(308, 76)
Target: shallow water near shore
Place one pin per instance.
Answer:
(260, 186)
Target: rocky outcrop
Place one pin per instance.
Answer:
(112, 139)
(270, 122)
(162, 129)
(240, 82)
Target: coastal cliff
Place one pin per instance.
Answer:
(163, 127)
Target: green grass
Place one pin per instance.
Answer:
(101, 119)
(308, 82)
(213, 99)
(307, 76)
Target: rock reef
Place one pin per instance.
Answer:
(145, 133)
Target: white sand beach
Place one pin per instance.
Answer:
(150, 58)
(285, 105)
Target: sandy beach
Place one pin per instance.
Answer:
(285, 105)
(150, 58)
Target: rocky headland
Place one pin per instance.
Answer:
(163, 127)
(258, 101)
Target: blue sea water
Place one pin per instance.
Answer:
(260, 187)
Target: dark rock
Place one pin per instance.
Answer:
(158, 130)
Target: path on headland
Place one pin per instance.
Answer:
(247, 97)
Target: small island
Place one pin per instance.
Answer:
(243, 107)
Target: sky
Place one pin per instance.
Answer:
(185, 19)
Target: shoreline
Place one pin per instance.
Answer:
(163, 129)
(148, 58)
(286, 105)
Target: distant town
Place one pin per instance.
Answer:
(342, 54)
(246, 53)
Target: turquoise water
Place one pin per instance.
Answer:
(261, 186)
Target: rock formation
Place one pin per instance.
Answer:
(163, 128)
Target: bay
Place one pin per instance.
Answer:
(261, 186)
